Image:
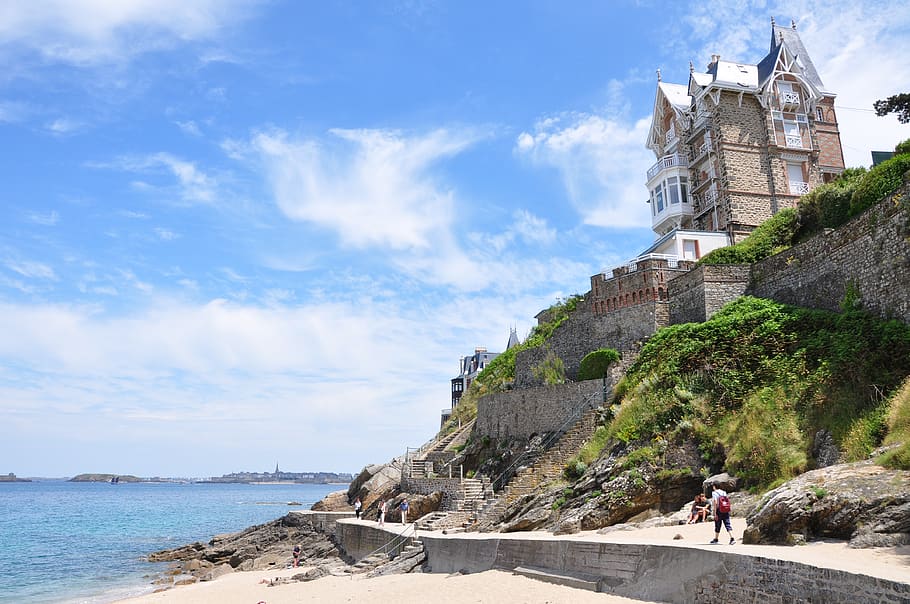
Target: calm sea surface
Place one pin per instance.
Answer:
(85, 542)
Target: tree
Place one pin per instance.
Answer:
(899, 104)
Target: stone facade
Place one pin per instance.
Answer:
(641, 281)
(521, 414)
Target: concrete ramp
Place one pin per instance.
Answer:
(548, 576)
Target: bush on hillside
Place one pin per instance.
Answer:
(898, 423)
(828, 206)
(902, 147)
(759, 379)
(770, 237)
(879, 182)
(596, 364)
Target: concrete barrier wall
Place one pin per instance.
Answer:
(665, 573)
(323, 522)
(359, 540)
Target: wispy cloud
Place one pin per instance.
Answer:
(86, 32)
(600, 159)
(45, 219)
(62, 126)
(189, 127)
(31, 270)
(166, 234)
(369, 187)
(192, 184)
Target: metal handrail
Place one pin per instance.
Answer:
(397, 539)
(573, 417)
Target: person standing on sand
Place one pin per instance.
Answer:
(404, 511)
(296, 556)
(357, 506)
(720, 503)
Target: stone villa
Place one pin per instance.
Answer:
(734, 145)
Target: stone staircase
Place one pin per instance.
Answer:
(546, 468)
(435, 458)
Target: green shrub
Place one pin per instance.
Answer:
(596, 364)
(551, 370)
(767, 239)
(561, 501)
(865, 433)
(574, 470)
(828, 206)
(879, 182)
(898, 422)
(902, 147)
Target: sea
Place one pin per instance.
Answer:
(82, 542)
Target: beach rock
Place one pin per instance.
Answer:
(218, 571)
(260, 547)
(723, 481)
(862, 502)
(418, 506)
(375, 483)
(336, 501)
(825, 450)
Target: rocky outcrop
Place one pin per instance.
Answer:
(861, 502)
(260, 547)
(336, 501)
(375, 483)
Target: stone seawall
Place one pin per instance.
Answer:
(870, 255)
(663, 573)
(523, 413)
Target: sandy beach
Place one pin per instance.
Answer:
(502, 586)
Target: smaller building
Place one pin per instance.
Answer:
(468, 368)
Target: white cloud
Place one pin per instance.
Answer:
(62, 126)
(49, 219)
(32, 270)
(166, 234)
(193, 185)
(85, 32)
(189, 127)
(602, 161)
(369, 187)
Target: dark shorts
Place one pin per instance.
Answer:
(722, 517)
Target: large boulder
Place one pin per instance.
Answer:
(418, 506)
(336, 501)
(375, 483)
(862, 502)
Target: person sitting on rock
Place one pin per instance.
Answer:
(699, 509)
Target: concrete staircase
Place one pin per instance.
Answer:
(544, 469)
(435, 457)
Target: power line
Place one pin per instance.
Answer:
(854, 108)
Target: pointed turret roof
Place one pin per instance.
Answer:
(513, 338)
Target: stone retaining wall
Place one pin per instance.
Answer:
(523, 413)
(871, 254)
(697, 295)
(584, 332)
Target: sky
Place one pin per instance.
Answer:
(240, 233)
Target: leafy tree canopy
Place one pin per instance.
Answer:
(898, 103)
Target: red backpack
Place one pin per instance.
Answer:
(723, 504)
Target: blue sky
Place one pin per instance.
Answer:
(235, 233)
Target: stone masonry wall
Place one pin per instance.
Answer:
(584, 332)
(697, 295)
(871, 252)
(523, 413)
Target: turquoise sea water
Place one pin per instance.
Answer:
(86, 542)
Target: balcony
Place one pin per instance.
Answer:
(789, 99)
(667, 161)
(794, 141)
(670, 136)
(799, 188)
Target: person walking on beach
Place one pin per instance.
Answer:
(357, 506)
(296, 556)
(404, 511)
(721, 505)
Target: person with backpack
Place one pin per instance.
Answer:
(721, 504)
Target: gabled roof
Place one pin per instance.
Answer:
(677, 95)
(730, 73)
(788, 37)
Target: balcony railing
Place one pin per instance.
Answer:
(708, 198)
(789, 99)
(671, 259)
(799, 188)
(794, 140)
(667, 161)
(670, 136)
